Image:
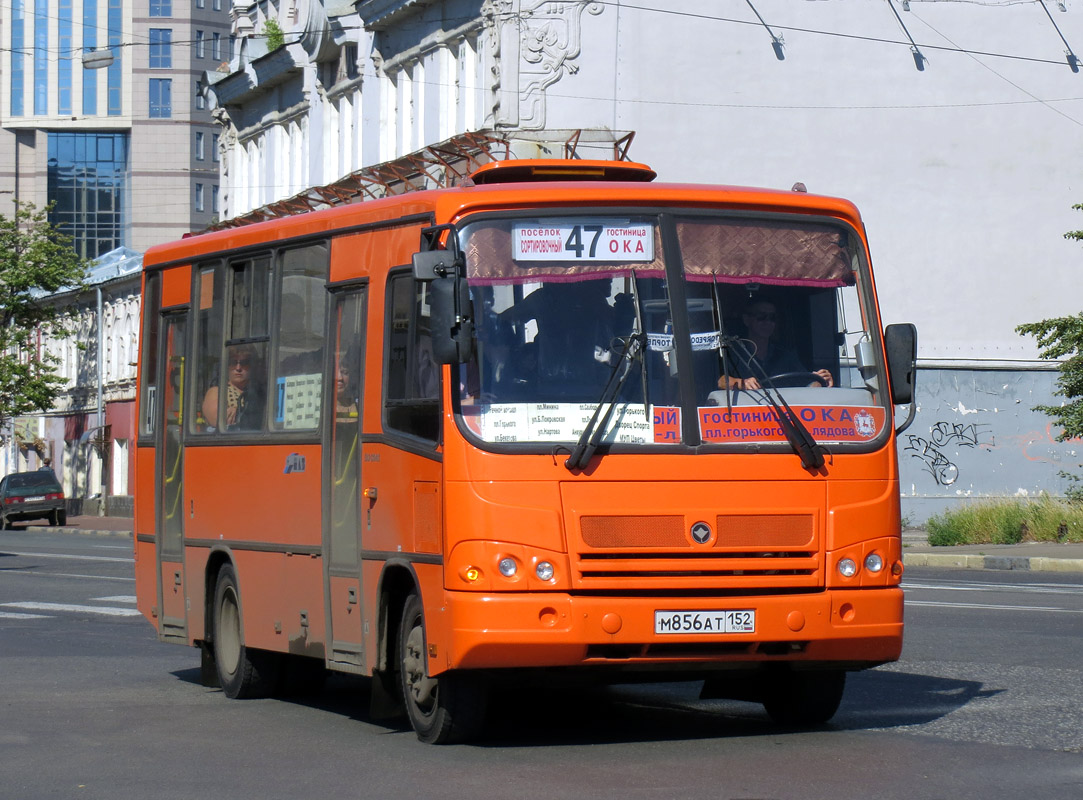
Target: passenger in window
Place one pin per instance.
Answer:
(760, 319)
(575, 329)
(345, 387)
(244, 399)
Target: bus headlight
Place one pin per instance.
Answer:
(544, 570)
(873, 562)
(847, 567)
(508, 567)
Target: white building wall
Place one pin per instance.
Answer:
(965, 171)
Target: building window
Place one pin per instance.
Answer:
(199, 197)
(214, 199)
(200, 4)
(114, 72)
(199, 146)
(88, 188)
(161, 8)
(216, 46)
(161, 98)
(18, 38)
(217, 5)
(161, 47)
(214, 147)
(201, 49)
(41, 56)
(201, 99)
(90, 42)
(64, 28)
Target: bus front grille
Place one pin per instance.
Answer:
(653, 552)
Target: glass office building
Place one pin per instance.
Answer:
(88, 185)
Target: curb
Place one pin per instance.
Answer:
(83, 531)
(967, 561)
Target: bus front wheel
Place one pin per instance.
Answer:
(804, 698)
(242, 672)
(442, 710)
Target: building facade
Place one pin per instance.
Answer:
(88, 433)
(99, 115)
(954, 126)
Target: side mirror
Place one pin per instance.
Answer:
(452, 319)
(431, 264)
(901, 344)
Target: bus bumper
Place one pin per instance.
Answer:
(853, 629)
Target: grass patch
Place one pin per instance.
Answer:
(1045, 519)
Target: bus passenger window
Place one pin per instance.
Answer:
(413, 377)
(209, 290)
(298, 368)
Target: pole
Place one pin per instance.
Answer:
(101, 406)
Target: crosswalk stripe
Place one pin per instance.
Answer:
(108, 611)
(16, 615)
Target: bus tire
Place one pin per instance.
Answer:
(804, 698)
(446, 709)
(242, 671)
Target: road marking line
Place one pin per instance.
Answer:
(39, 574)
(65, 555)
(117, 598)
(106, 610)
(992, 607)
(16, 615)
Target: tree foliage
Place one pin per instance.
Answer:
(36, 260)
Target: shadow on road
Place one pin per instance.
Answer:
(543, 717)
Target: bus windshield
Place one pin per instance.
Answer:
(728, 314)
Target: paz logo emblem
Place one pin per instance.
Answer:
(701, 533)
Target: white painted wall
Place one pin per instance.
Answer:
(965, 172)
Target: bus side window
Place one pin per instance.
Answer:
(209, 292)
(412, 391)
(298, 373)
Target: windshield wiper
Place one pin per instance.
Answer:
(807, 448)
(591, 436)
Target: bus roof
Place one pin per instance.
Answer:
(517, 185)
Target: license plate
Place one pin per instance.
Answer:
(727, 621)
(37, 499)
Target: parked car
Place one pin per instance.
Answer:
(32, 495)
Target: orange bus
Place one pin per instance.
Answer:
(559, 421)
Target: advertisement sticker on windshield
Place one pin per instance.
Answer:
(586, 240)
(825, 423)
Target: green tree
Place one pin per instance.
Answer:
(1062, 338)
(273, 31)
(36, 260)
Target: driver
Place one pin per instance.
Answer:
(760, 319)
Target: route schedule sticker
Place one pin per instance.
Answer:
(583, 240)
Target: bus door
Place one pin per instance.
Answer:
(342, 483)
(169, 471)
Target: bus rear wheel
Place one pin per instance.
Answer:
(242, 672)
(804, 698)
(442, 710)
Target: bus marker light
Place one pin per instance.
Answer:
(873, 562)
(508, 567)
(544, 571)
(847, 567)
(472, 574)
(897, 569)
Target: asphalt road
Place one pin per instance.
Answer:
(984, 704)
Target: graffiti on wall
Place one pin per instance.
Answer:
(947, 436)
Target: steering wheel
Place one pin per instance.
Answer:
(789, 376)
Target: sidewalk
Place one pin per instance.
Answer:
(917, 552)
(1032, 556)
